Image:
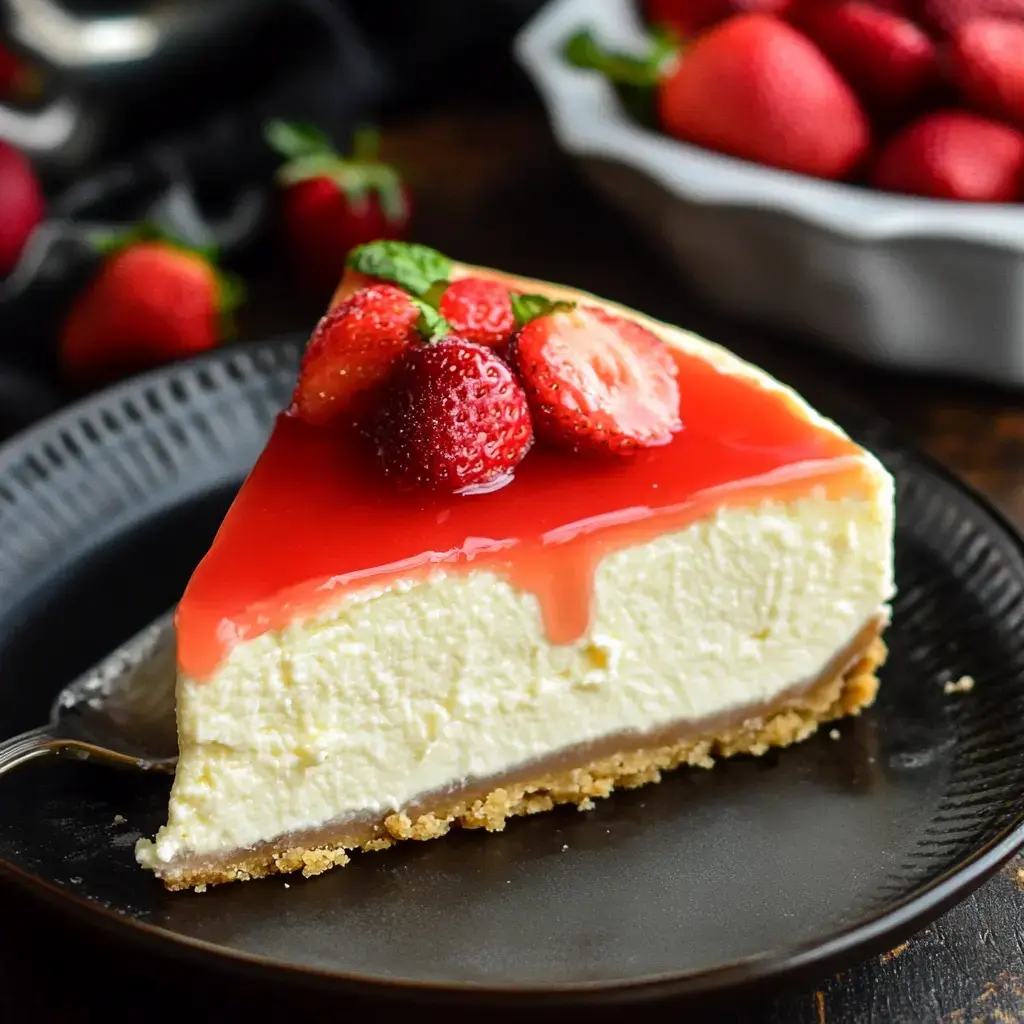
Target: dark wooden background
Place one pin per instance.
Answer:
(493, 189)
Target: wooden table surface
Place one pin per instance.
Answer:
(493, 189)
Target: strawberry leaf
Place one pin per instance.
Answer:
(231, 294)
(107, 242)
(582, 50)
(412, 267)
(431, 324)
(295, 141)
(529, 307)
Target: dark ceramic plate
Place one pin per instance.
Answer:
(833, 849)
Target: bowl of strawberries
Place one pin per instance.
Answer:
(852, 170)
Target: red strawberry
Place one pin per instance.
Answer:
(331, 204)
(758, 89)
(352, 351)
(944, 17)
(479, 310)
(597, 382)
(951, 154)
(753, 87)
(453, 417)
(891, 64)
(987, 62)
(151, 302)
(687, 18)
(21, 206)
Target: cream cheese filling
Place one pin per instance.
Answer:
(416, 687)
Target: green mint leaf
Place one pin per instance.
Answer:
(582, 50)
(431, 324)
(412, 267)
(435, 293)
(294, 141)
(529, 307)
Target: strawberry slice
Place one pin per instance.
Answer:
(453, 417)
(597, 382)
(352, 351)
(479, 310)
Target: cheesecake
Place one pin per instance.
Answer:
(511, 546)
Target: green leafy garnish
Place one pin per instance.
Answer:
(431, 324)
(529, 307)
(411, 266)
(582, 50)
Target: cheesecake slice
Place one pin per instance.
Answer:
(364, 659)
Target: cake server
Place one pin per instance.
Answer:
(119, 712)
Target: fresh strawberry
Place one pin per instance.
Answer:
(21, 206)
(753, 87)
(952, 154)
(597, 382)
(352, 351)
(687, 18)
(890, 62)
(944, 17)
(987, 63)
(331, 204)
(150, 303)
(453, 417)
(479, 310)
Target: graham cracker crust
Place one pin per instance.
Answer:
(840, 691)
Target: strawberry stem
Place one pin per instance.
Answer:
(295, 141)
(309, 154)
(529, 307)
(582, 50)
(108, 242)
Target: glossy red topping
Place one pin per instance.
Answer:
(317, 518)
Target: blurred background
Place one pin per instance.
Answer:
(134, 111)
(845, 172)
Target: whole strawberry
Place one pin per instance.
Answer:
(453, 418)
(986, 61)
(151, 302)
(21, 206)
(352, 351)
(891, 63)
(686, 18)
(479, 310)
(952, 154)
(330, 204)
(597, 383)
(944, 17)
(753, 87)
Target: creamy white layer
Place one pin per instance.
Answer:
(404, 691)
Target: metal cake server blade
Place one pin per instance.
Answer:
(121, 711)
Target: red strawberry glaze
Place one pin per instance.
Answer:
(316, 517)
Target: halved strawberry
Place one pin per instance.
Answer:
(479, 310)
(597, 382)
(452, 417)
(352, 351)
